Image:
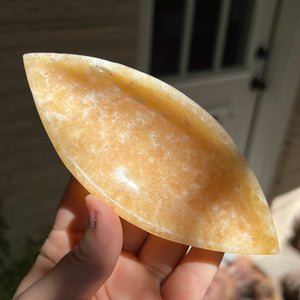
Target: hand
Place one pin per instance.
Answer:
(93, 259)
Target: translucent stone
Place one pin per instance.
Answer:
(159, 159)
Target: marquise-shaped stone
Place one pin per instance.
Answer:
(159, 159)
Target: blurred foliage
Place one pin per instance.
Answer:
(13, 272)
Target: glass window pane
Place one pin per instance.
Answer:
(204, 34)
(238, 31)
(167, 31)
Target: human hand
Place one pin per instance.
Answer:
(108, 258)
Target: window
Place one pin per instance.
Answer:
(199, 35)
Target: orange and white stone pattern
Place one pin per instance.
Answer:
(160, 160)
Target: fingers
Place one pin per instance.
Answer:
(193, 275)
(161, 257)
(84, 270)
(133, 237)
(73, 203)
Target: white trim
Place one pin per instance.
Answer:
(187, 36)
(221, 34)
(282, 79)
(144, 38)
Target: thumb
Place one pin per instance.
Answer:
(86, 268)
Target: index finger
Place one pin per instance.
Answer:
(73, 218)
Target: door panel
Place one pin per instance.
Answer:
(224, 97)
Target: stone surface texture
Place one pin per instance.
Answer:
(158, 158)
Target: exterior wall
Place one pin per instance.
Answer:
(32, 176)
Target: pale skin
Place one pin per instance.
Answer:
(105, 257)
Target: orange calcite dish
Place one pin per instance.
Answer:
(160, 160)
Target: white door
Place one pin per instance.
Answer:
(213, 51)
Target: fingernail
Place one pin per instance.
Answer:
(91, 214)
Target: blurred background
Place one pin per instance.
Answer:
(239, 59)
